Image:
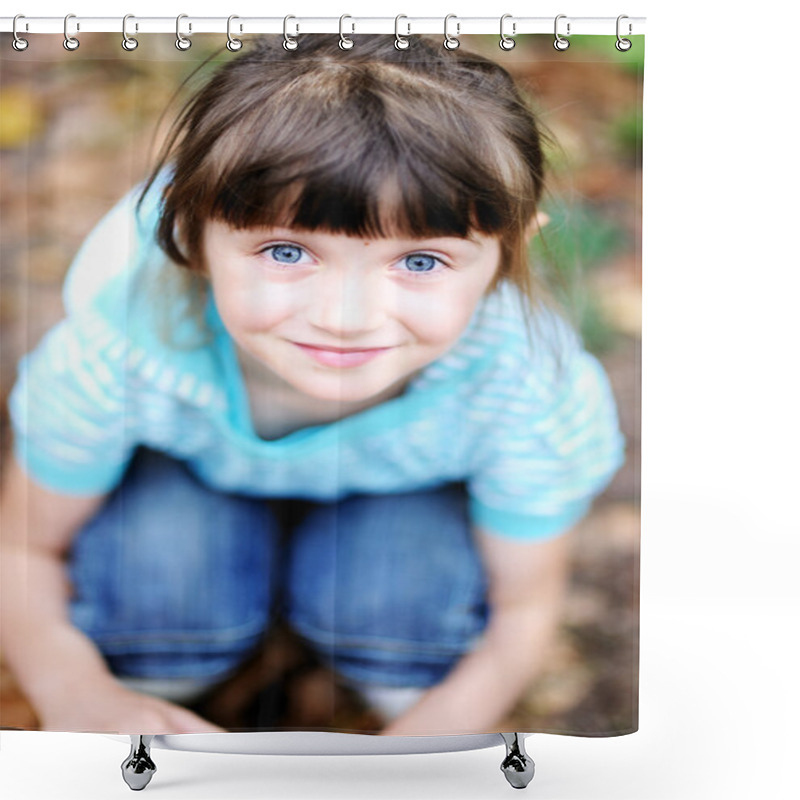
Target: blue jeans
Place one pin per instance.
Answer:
(173, 579)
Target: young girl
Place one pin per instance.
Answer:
(320, 300)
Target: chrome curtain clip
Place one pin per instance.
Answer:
(128, 42)
(401, 42)
(70, 42)
(181, 42)
(18, 43)
(233, 44)
(345, 43)
(560, 43)
(506, 42)
(289, 42)
(451, 42)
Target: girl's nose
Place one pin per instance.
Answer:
(346, 304)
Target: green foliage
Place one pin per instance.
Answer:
(626, 133)
(577, 239)
(598, 336)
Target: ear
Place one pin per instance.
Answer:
(179, 238)
(538, 221)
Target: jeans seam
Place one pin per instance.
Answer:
(372, 643)
(207, 638)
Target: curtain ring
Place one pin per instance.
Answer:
(70, 42)
(560, 43)
(18, 43)
(128, 42)
(623, 45)
(233, 44)
(181, 42)
(344, 42)
(401, 42)
(289, 42)
(451, 42)
(506, 42)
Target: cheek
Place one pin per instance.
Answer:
(437, 319)
(255, 308)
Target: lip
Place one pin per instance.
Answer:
(341, 356)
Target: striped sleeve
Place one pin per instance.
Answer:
(550, 455)
(67, 410)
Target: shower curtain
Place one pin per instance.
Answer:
(80, 130)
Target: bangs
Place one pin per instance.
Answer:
(389, 146)
(361, 150)
(370, 186)
(360, 202)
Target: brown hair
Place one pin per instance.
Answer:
(314, 139)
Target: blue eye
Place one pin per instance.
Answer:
(286, 253)
(421, 262)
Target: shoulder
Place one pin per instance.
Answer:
(128, 303)
(555, 384)
(118, 246)
(116, 267)
(524, 377)
(527, 338)
(510, 347)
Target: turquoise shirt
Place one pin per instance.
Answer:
(528, 422)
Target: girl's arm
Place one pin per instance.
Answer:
(526, 585)
(57, 666)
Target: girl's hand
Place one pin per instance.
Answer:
(116, 709)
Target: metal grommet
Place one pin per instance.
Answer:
(623, 45)
(18, 43)
(181, 42)
(344, 42)
(233, 44)
(560, 43)
(401, 42)
(451, 42)
(289, 42)
(506, 42)
(70, 42)
(128, 42)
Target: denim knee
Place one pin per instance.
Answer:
(172, 578)
(388, 589)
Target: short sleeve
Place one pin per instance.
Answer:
(68, 405)
(552, 451)
(67, 411)
(120, 244)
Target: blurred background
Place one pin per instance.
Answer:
(77, 130)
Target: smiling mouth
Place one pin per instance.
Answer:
(341, 356)
(340, 349)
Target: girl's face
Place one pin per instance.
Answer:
(344, 318)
